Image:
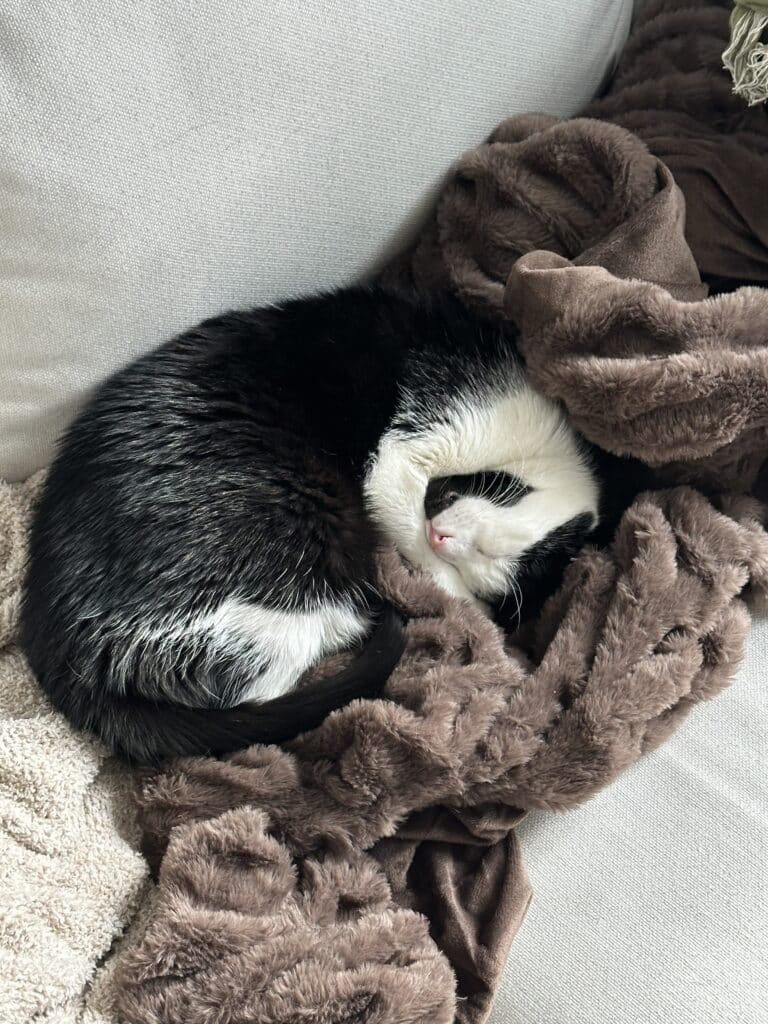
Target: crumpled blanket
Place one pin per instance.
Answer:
(670, 90)
(369, 872)
(278, 901)
(611, 282)
(71, 875)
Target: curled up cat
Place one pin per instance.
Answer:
(207, 531)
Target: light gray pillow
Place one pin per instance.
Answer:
(163, 161)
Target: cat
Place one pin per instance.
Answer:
(207, 530)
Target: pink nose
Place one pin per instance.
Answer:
(435, 537)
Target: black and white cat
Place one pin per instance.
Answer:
(207, 531)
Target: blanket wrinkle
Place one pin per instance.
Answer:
(671, 91)
(369, 872)
(564, 187)
(703, 365)
(576, 231)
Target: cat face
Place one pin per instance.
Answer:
(497, 530)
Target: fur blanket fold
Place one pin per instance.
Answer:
(293, 881)
(369, 873)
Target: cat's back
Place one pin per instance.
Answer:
(202, 415)
(330, 363)
(195, 422)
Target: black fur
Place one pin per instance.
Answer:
(229, 461)
(229, 464)
(499, 487)
(542, 567)
(540, 571)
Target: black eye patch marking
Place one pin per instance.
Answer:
(502, 489)
(541, 568)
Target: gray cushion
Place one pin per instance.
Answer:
(162, 161)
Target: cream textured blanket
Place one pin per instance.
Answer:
(71, 875)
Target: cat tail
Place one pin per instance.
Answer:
(147, 732)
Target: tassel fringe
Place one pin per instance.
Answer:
(747, 55)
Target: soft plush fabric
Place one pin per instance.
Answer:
(267, 904)
(689, 390)
(71, 876)
(164, 161)
(668, 921)
(254, 901)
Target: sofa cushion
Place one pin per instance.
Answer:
(161, 162)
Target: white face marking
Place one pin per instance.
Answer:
(518, 432)
(485, 542)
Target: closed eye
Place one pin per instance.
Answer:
(498, 487)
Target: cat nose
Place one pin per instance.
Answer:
(437, 538)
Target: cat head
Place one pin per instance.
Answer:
(506, 531)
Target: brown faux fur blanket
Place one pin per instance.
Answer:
(369, 872)
(671, 91)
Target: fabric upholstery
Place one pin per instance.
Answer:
(161, 162)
